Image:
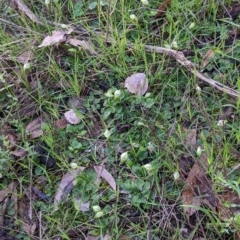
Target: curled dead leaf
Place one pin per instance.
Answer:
(55, 38)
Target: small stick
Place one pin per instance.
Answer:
(191, 67)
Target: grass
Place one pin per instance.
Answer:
(152, 129)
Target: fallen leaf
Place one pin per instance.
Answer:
(66, 185)
(190, 138)
(29, 228)
(81, 206)
(102, 172)
(82, 44)
(206, 59)
(9, 135)
(5, 192)
(27, 109)
(72, 117)
(27, 215)
(233, 200)
(61, 123)
(25, 57)
(34, 127)
(55, 38)
(8, 196)
(163, 8)
(137, 83)
(19, 5)
(198, 189)
(20, 152)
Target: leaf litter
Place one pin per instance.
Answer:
(192, 181)
(197, 188)
(66, 186)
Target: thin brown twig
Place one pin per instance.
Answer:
(191, 67)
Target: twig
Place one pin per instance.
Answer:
(16, 26)
(191, 67)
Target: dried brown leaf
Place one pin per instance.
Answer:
(190, 201)
(9, 135)
(20, 6)
(20, 152)
(25, 57)
(29, 228)
(34, 127)
(198, 189)
(5, 192)
(66, 185)
(61, 123)
(163, 8)
(7, 196)
(232, 199)
(72, 117)
(190, 138)
(102, 172)
(27, 215)
(81, 206)
(82, 44)
(137, 83)
(207, 58)
(55, 38)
